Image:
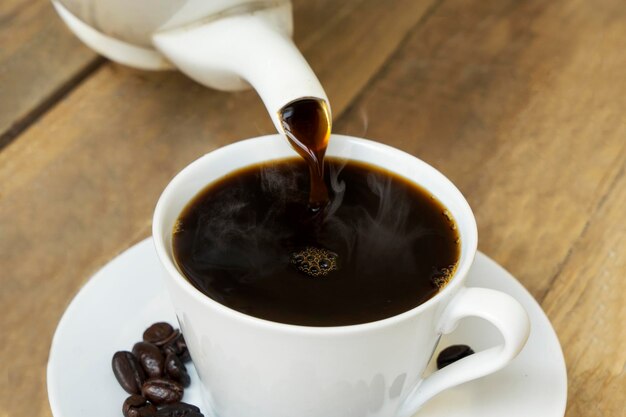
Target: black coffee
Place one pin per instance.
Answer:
(381, 246)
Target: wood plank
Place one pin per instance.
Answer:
(522, 105)
(39, 56)
(586, 305)
(79, 186)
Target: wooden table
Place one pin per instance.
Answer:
(521, 103)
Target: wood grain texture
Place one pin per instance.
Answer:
(39, 56)
(586, 306)
(79, 186)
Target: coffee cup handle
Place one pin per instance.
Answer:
(498, 308)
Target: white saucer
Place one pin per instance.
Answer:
(111, 311)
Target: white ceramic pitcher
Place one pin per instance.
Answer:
(224, 44)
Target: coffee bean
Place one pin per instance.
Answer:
(162, 391)
(452, 354)
(165, 369)
(179, 410)
(177, 346)
(150, 357)
(175, 369)
(138, 406)
(128, 371)
(159, 334)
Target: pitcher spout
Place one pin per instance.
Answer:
(234, 52)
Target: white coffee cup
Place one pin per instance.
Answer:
(251, 367)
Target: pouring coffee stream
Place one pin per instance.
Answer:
(307, 126)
